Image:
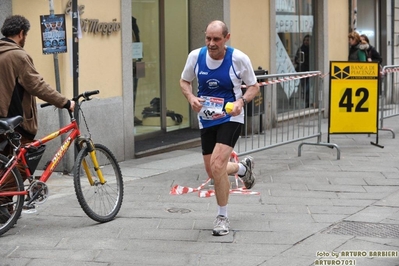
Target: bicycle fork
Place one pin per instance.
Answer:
(93, 156)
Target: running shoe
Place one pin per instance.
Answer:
(248, 178)
(221, 226)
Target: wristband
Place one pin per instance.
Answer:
(243, 100)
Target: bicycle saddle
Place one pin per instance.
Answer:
(9, 123)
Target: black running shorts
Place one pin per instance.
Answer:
(226, 133)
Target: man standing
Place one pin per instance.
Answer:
(220, 70)
(302, 61)
(20, 84)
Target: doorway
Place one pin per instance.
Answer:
(160, 48)
(368, 21)
(295, 52)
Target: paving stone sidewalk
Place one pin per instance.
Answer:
(312, 210)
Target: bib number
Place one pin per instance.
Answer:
(212, 108)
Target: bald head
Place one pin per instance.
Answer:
(216, 36)
(218, 25)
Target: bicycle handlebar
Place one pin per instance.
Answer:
(86, 95)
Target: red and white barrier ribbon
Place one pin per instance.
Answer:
(180, 190)
(284, 79)
(389, 70)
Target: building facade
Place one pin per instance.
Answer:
(133, 51)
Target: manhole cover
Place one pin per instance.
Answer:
(364, 229)
(178, 210)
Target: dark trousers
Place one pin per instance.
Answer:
(10, 183)
(305, 90)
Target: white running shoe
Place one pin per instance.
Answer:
(248, 178)
(221, 226)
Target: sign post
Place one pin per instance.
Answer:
(354, 98)
(75, 57)
(53, 33)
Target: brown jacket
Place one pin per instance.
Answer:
(20, 84)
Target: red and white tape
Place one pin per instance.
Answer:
(180, 190)
(389, 70)
(284, 79)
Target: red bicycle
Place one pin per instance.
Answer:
(97, 176)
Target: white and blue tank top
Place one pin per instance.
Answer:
(216, 86)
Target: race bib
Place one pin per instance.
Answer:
(212, 108)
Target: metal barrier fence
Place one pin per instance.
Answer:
(389, 95)
(280, 113)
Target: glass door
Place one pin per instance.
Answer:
(367, 22)
(294, 28)
(160, 48)
(146, 66)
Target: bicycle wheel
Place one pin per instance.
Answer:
(101, 202)
(10, 206)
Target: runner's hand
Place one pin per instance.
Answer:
(196, 103)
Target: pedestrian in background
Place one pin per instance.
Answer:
(372, 54)
(358, 49)
(302, 63)
(220, 71)
(302, 55)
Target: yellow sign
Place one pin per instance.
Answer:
(353, 97)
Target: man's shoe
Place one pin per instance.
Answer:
(248, 178)
(4, 214)
(221, 226)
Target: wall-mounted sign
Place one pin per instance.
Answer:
(93, 25)
(53, 34)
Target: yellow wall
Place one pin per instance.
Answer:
(250, 30)
(99, 55)
(338, 27)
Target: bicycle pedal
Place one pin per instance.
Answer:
(29, 208)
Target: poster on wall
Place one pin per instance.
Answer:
(53, 34)
(288, 6)
(293, 24)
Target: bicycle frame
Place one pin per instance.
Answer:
(74, 135)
